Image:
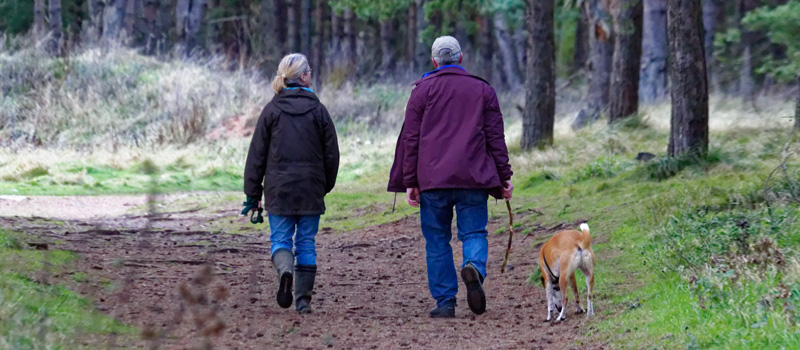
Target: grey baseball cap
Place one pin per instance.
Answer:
(445, 46)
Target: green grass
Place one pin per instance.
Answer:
(35, 315)
(98, 181)
(648, 218)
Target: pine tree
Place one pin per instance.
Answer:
(624, 97)
(540, 102)
(687, 74)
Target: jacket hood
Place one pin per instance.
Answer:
(295, 101)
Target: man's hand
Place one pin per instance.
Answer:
(412, 195)
(508, 190)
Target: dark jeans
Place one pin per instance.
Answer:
(436, 211)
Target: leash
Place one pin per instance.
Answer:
(553, 277)
(258, 218)
(510, 235)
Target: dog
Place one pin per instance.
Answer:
(559, 258)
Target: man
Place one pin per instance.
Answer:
(452, 153)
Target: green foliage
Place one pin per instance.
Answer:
(34, 315)
(696, 238)
(602, 168)
(566, 19)
(666, 167)
(538, 178)
(736, 272)
(781, 24)
(370, 9)
(17, 16)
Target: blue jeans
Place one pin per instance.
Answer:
(436, 215)
(282, 230)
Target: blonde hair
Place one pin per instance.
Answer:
(289, 71)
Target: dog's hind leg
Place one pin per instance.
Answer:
(548, 288)
(588, 271)
(574, 286)
(562, 283)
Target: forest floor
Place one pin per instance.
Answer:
(183, 283)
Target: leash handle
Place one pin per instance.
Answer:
(258, 218)
(510, 235)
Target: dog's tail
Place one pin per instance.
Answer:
(586, 237)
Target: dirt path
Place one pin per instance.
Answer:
(185, 286)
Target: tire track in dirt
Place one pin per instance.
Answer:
(371, 290)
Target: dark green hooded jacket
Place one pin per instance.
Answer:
(294, 153)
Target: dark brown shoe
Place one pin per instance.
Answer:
(476, 298)
(447, 310)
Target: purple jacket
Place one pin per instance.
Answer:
(452, 136)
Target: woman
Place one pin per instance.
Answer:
(295, 153)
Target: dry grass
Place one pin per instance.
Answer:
(113, 98)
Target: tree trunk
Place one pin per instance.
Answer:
(387, 49)
(350, 48)
(337, 38)
(601, 49)
(653, 85)
(181, 16)
(305, 27)
(292, 25)
(503, 37)
(271, 50)
(213, 40)
(411, 38)
(624, 101)
(151, 8)
(113, 16)
(39, 24)
(54, 41)
(539, 115)
(281, 32)
(710, 8)
(581, 54)
(193, 24)
(317, 50)
(130, 17)
(521, 49)
(423, 49)
(797, 103)
(746, 81)
(689, 82)
(96, 9)
(485, 44)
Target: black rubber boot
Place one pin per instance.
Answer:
(447, 310)
(283, 260)
(304, 287)
(476, 298)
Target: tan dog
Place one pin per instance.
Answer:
(559, 258)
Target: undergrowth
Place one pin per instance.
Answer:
(37, 315)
